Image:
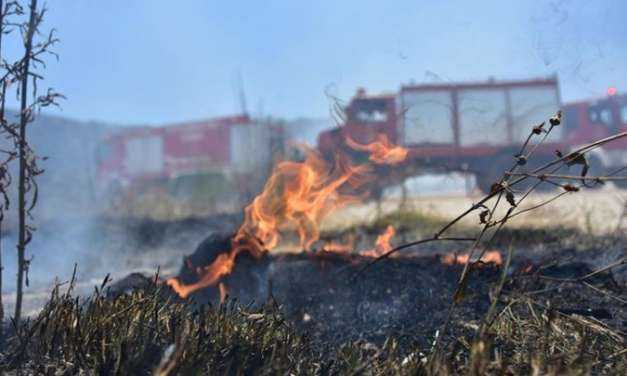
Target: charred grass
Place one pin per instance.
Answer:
(151, 331)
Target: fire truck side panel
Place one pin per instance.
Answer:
(427, 117)
(249, 146)
(483, 117)
(531, 106)
(144, 155)
(196, 148)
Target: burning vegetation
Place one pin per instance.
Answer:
(462, 259)
(296, 198)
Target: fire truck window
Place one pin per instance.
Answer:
(601, 115)
(373, 116)
(370, 111)
(606, 116)
(623, 114)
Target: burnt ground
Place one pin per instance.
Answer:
(328, 298)
(322, 295)
(406, 299)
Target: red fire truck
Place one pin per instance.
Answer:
(224, 155)
(478, 127)
(590, 120)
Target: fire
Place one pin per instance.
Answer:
(211, 274)
(461, 259)
(338, 247)
(347, 247)
(296, 197)
(382, 244)
(382, 151)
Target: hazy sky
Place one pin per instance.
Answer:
(157, 61)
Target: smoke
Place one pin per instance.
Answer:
(70, 228)
(54, 250)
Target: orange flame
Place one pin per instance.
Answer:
(348, 247)
(223, 265)
(382, 151)
(382, 244)
(461, 259)
(297, 196)
(337, 247)
(211, 274)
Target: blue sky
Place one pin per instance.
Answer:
(157, 61)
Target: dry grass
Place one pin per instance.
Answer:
(151, 332)
(534, 339)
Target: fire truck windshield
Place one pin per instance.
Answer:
(370, 117)
(369, 110)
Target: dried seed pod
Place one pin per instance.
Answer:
(483, 215)
(557, 119)
(509, 196)
(570, 188)
(496, 187)
(521, 160)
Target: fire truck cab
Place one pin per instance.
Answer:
(586, 121)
